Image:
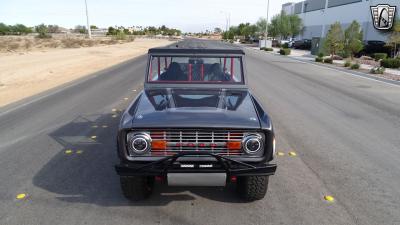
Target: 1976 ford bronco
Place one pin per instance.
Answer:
(195, 124)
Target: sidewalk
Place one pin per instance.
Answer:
(394, 74)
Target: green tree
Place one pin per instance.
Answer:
(273, 28)
(217, 30)
(17, 29)
(43, 31)
(334, 40)
(394, 37)
(261, 26)
(246, 30)
(112, 31)
(353, 36)
(285, 26)
(80, 29)
(4, 29)
(93, 27)
(296, 25)
(126, 31)
(53, 28)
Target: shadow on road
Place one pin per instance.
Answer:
(83, 171)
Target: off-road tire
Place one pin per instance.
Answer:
(137, 188)
(252, 188)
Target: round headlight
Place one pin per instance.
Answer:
(139, 143)
(252, 144)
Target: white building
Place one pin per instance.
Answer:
(318, 15)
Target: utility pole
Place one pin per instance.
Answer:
(87, 21)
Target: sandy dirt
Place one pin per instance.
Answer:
(25, 74)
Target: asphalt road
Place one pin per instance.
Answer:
(344, 129)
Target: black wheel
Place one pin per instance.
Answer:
(137, 188)
(252, 188)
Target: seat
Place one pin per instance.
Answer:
(173, 73)
(215, 73)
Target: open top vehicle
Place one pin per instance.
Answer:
(195, 124)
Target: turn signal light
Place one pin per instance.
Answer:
(158, 145)
(234, 145)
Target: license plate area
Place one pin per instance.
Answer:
(197, 179)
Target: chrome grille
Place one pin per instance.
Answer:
(215, 141)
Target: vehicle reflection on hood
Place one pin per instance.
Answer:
(162, 99)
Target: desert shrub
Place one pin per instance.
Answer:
(28, 44)
(319, 59)
(390, 63)
(112, 42)
(263, 48)
(119, 36)
(320, 55)
(52, 44)
(379, 56)
(3, 44)
(13, 46)
(131, 38)
(284, 51)
(347, 64)
(70, 43)
(377, 70)
(91, 43)
(355, 66)
(328, 60)
(285, 45)
(269, 49)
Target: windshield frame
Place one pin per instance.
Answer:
(241, 84)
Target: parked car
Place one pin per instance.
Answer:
(289, 42)
(373, 46)
(195, 124)
(302, 44)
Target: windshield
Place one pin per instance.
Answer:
(185, 69)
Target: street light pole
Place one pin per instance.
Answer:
(227, 19)
(87, 21)
(266, 24)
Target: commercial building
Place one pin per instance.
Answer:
(318, 15)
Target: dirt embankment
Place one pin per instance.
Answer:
(23, 74)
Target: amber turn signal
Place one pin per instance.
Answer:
(158, 145)
(234, 145)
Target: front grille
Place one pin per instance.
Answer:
(215, 141)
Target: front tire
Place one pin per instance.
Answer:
(252, 188)
(137, 188)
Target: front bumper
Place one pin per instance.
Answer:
(169, 164)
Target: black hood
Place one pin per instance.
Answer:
(187, 108)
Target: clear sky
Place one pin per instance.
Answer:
(187, 15)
